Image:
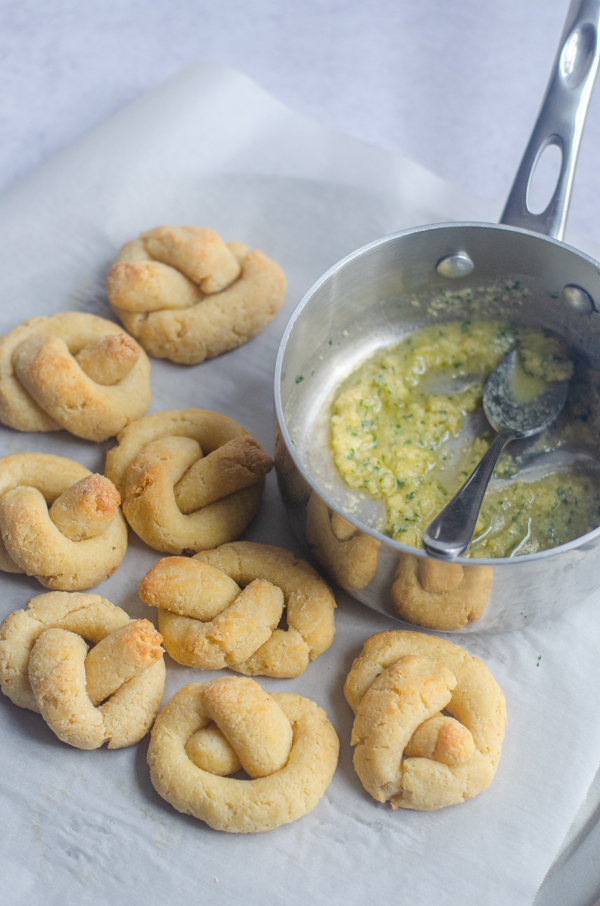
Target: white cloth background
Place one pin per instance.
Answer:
(456, 90)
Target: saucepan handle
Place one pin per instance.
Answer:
(560, 121)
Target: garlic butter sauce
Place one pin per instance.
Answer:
(397, 437)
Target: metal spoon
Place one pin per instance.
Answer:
(516, 406)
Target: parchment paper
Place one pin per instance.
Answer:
(210, 148)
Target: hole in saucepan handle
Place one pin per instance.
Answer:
(544, 177)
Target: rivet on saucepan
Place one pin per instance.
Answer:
(453, 266)
(577, 298)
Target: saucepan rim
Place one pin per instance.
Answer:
(281, 420)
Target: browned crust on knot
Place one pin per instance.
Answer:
(77, 542)
(145, 642)
(45, 666)
(109, 359)
(74, 371)
(93, 499)
(190, 480)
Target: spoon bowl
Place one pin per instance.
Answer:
(517, 406)
(515, 402)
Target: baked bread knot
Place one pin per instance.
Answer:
(73, 371)
(284, 742)
(110, 694)
(189, 479)
(440, 595)
(188, 296)
(409, 751)
(58, 521)
(348, 555)
(222, 608)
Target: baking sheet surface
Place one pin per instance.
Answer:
(87, 827)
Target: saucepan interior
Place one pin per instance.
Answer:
(392, 288)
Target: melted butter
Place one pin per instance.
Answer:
(524, 387)
(396, 440)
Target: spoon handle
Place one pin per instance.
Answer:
(449, 534)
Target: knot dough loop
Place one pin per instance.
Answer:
(75, 544)
(284, 742)
(73, 371)
(45, 666)
(407, 752)
(176, 498)
(209, 622)
(187, 296)
(347, 554)
(440, 595)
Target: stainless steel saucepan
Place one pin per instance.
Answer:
(366, 302)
